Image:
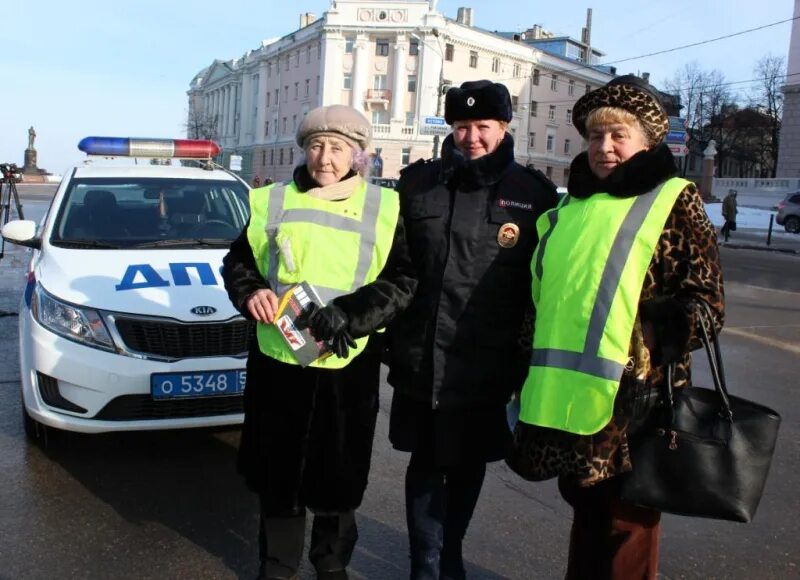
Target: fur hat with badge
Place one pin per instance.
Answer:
(632, 94)
(476, 100)
(340, 121)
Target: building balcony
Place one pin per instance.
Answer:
(378, 97)
(397, 131)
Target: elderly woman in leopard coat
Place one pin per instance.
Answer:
(624, 124)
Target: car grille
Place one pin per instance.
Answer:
(142, 407)
(176, 340)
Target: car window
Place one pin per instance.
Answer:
(795, 198)
(131, 212)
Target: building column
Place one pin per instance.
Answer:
(430, 71)
(262, 103)
(400, 79)
(244, 116)
(360, 72)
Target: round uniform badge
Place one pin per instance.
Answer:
(470, 101)
(508, 236)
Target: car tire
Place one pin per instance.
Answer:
(33, 430)
(792, 224)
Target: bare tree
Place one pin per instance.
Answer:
(201, 125)
(768, 98)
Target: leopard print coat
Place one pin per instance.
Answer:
(685, 267)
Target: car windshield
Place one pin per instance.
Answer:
(150, 212)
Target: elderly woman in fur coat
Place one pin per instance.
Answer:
(622, 265)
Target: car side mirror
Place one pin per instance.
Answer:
(22, 233)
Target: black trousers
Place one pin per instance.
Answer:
(282, 538)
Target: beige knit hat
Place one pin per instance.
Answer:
(338, 121)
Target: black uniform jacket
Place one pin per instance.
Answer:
(465, 339)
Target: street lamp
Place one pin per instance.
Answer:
(440, 89)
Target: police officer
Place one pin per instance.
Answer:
(463, 345)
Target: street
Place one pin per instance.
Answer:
(169, 504)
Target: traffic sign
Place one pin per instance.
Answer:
(235, 163)
(678, 150)
(677, 123)
(434, 126)
(677, 137)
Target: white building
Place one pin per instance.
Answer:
(789, 152)
(392, 60)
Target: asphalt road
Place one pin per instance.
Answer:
(169, 504)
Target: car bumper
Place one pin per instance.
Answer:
(91, 379)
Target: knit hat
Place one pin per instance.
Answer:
(337, 121)
(632, 94)
(477, 100)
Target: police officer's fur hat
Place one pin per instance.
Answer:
(477, 100)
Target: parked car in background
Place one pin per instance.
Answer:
(384, 181)
(789, 213)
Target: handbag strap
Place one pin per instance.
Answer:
(711, 343)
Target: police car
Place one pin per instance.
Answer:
(125, 324)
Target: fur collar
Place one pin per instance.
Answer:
(639, 174)
(460, 173)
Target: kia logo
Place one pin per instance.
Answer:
(203, 310)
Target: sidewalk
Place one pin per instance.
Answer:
(756, 239)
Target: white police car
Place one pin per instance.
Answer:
(125, 323)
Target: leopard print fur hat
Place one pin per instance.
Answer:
(632, 94)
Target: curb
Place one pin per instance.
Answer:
(757, 247)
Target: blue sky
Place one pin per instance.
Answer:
(87, 67)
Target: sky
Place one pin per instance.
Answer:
(87, 67)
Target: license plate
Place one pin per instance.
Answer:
(200, 384)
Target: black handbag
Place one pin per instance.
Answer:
(706, 453)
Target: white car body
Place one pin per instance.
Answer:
(165, 308)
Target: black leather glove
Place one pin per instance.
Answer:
(325, 323)
(341, 344)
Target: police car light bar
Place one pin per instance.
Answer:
(163, 148)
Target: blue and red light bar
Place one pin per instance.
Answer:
(163, 148)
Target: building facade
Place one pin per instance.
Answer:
(392, 60)
(789, 151)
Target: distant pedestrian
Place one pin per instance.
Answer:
(729, 211)
(256, 181)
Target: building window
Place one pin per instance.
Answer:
(449, 49)
(296, 90)
(405, 156)
(380, 82)
(588, 88)
(495, 65)
(319, 51)
(348, 44)
(571, 88)
(280, 156)
(566, 146)
(412, 83)
(569, 116)
(285, 93)
(263, 157)
(382, 47)
(291, 156)
(517, 70)
(473, 59)
(551, 113)
(550, 140)
(413, 48)
(410, 118)
(294, 123)
(347, 82)
(276, 96)
(269, 69)
(308, 87)
(554, 83)
(308, 54)
(283, 124)
(380, 117)
(514, 103)
(266, 128)
(536, 76)
(287, 63)
(534, 108)
(548, 171)
(317, 84)
(531, 140)
(272, 157)
(268, 97)
(297, 59)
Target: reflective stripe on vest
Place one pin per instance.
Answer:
(282, 215)
(598, 251)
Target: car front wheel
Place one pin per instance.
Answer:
(792, 224)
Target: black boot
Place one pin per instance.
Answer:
(463, 486)
(333, 539)
(281, 540)
(425, 507)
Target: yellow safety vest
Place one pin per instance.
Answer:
(588, 273)
(336, 246)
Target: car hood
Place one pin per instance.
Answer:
(160, 282)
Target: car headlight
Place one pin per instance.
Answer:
(84, 325)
